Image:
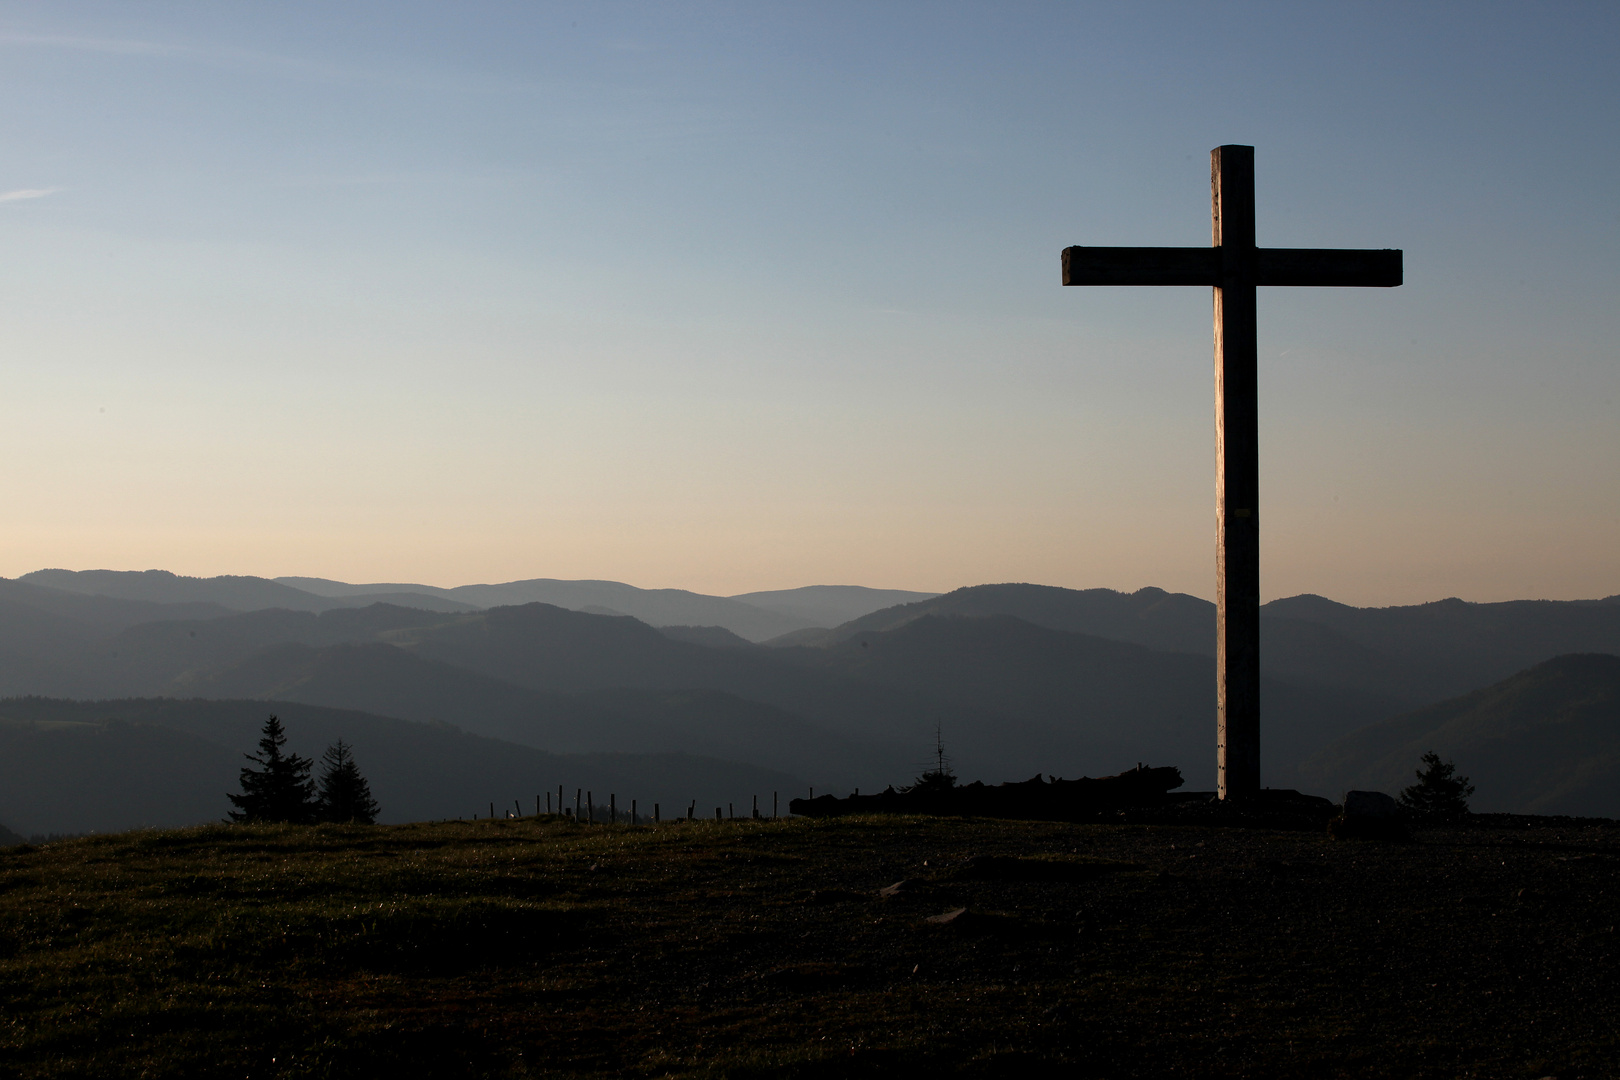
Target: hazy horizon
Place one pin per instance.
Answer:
(732, 298)
(879, 587)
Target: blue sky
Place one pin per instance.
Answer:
(746, 296)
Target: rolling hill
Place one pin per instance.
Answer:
(232, 592)
(813, 606)
(1544, 741)
(1014, 698)
(1453, 646)
(655, 607)
(390, 681)
(830, 605)
(1414, 654)
(109, 765)
(1020, 678)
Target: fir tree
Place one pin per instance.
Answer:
(1438, 792)
(282, 789)
(345, 795)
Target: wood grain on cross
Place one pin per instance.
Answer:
(1234, 267)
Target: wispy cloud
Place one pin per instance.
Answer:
(279, 65)
(217, 55)
(27, 193)
(82, 44)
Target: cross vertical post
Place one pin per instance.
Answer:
(1237, 477)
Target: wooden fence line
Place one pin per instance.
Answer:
(584, 810)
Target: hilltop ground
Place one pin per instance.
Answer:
(754, 949)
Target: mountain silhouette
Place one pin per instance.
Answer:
(1020, 678)
(656, 607)
(752, 616)
(171, 656)
(234, 593)
(43, 631)
(1452, 646)
(100, 614)
(1544, 741)
(107, 765)
(830, 605)
(714, 637)
(1172, 622)
(390, 681)
(1413, 654)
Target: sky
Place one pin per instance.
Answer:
(752, 296)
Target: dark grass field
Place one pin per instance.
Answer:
(760, 949)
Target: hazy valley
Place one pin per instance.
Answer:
(131, 696)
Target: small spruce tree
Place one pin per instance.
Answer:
(345, 795)
(282, 789)
(1439, 792)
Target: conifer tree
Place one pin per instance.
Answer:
(282, 789)
(345, 795)
(1438, 792)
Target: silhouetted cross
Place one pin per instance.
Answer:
(1234, 266)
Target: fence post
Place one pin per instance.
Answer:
(613, 808)
(492, 811)
(655, 813)
(577, 793)
(717, 815)
(590, 808)
(775, 805)
(756, 807)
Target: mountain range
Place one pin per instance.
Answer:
(1017, 678)
(753, 616)
(1543, 741)
(70, 767)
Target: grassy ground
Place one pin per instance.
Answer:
(542, 948)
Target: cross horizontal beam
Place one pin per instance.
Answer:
(1202, 266)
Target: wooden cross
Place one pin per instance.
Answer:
(1234, 266)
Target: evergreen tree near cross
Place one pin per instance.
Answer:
(1439, 792)
(279, 791)
(345, 797)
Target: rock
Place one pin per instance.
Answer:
(945, 918)
(1368, 815)
(1371, 805)
(901, 886)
